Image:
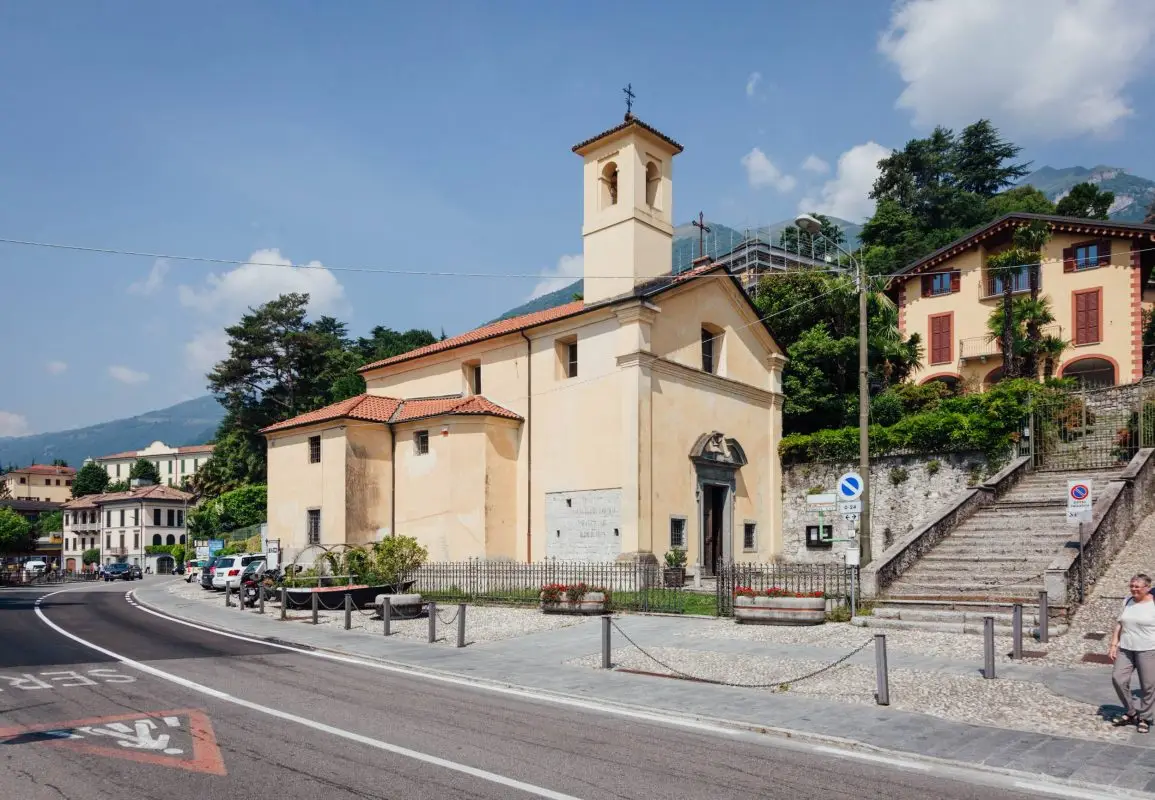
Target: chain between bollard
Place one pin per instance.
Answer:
(775, 685)
(449, 621)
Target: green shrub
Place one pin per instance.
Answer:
(886, 408)
(933, 466)
(898, 475)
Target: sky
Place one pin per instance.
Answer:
(435, 137)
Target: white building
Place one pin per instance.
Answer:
(122, 524)
(175, 464)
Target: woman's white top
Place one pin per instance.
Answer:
(1138, 621)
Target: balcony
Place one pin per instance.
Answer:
(991, 286)
(116, 551)
(983, 348)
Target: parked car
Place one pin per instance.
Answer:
(207, 572)
(136, 573)
(192, 570)
(227, 571)
(35, 566)
(118, 572)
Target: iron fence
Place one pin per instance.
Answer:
(632, 586)
(1091, 429)
(834, 580)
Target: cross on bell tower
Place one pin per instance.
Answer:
(629, 93)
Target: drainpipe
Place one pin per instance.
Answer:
(392, 480)
(528, 448)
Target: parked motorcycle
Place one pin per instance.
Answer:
(251, 585)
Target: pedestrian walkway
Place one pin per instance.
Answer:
(548, 662)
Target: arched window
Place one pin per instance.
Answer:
(182, 538)
(156, 538)
(1091, 371)
(653, 182)
(170, 539)
(609, 183)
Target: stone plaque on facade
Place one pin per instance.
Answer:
(583, 526)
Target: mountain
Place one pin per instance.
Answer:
(718, 242)
(191, 422)
(1133, 194)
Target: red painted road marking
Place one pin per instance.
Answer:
(144, 737)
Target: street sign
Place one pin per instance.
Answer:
(850, 486)
(827, 499)
(850, 507)
(1079, 499)
(852, 556)
(215, 546)
(851, 516)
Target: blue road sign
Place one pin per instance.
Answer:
(850, 486)
(215, 546)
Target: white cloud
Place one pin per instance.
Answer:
(204, 350)
(761, 172)
(56, 367)
(567, 270)
(127, 375)
(254, 283)
(153, 281)
(752, 83)
(845, 195)
(815, 164)
(1050, 68)
(13, 424)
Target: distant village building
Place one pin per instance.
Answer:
(40, 482)
(642, 419)
(122, 524)
(175, 464)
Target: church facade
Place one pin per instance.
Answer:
(643, 418)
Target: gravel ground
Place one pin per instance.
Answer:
(483, 623)
(1016, 705)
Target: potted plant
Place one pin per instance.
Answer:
(576, 598)
(775, 606)
(674, 575)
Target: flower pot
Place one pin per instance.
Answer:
(674, 577)
(590, 603)
(780, 610)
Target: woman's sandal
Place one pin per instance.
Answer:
(1143, 726)
(1124, 719)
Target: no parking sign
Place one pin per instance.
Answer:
(1079, 501)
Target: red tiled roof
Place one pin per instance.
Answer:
(46, 469)
(189, 450)
(368, 407)
(631, 121)
(86, 501)
(373, 408)
(490, 331)
(152, 492)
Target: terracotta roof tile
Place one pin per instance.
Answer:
(152, 492)
(368, 407)
(631, 121)
(46, 469)
(490, 331)
(86, 501)
(455, 405)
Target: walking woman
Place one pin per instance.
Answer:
(1133, 650)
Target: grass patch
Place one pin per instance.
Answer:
(659, 600)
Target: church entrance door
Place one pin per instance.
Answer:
(713, 526)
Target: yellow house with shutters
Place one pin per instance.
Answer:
(1097, 275)
(645, 417)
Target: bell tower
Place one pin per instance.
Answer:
(627, 226)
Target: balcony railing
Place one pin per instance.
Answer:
(992, 283)
(984, 348)
(116, 551)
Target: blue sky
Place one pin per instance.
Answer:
(436, 136)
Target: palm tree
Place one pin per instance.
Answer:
(1025, 352)
(1029, 241)
(1001, 266)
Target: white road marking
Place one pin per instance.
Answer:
(1060, 791)
(492, 777)
(528, 694)
(901, 763)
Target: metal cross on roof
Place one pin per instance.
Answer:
(703, 229)
(629, 93)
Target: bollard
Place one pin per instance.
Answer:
(989, 647)
(315, 602)
(882, 676)
(432, 622)
(348, 611)
(240, 597)
(461, 624)
(284, 602)
(606, 642)
(1044, 617)
(387, 613)
(228, 597)
(1017, 631)
(260, 598)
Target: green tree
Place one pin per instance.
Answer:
(384, 342)
(1020, 199)
(117, 486)
(178, 553)
(90, 556)
(59, 462)
(1045, 349)
(144, 470)
(825, 244)
(980, 159)
(1029, 240)
(52, 522)
(15, 532)
(90, 479)
(1087, 201)
(237, 508)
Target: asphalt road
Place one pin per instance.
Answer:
(200, 715)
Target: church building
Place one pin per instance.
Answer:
(644, 418)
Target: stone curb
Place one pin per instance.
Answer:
(785, 733)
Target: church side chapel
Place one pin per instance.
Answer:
(641, 419)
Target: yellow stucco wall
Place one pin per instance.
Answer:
(295, 486)
(971, 310)
(368, 472)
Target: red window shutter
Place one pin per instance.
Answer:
(940, 334)
(955, 281)
(1081, 318)
(1068, 259)
(1104, 252)
(1092, 316)
(926, 285)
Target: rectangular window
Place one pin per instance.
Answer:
(122, 517)
(820, 539)
(941, 338)
(108, 519)
(749, 536)
(475, 378)
(180, 519)
(136, 516)
(708, 363)
(571, 360)
(1088, 316)
(122, 541)
(172, 518)
(136, 541)
(108, 541)
(677, 533)
(1087, 255)
(313, 523)
(169, 463)
(1017, 277)
(184, 465)
(156, 517)
(196, 464)
(314, 449)
(421, 441)
(68, 483)
(118, 470)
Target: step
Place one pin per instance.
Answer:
(883, 623)
(966, 606)
(935, 557)
(1030, 618)
(964, 591)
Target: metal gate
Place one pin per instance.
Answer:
(1091, 429)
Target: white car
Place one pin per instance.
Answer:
(35, 566)
(227, 571)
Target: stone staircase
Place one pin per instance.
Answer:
(987, 564)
